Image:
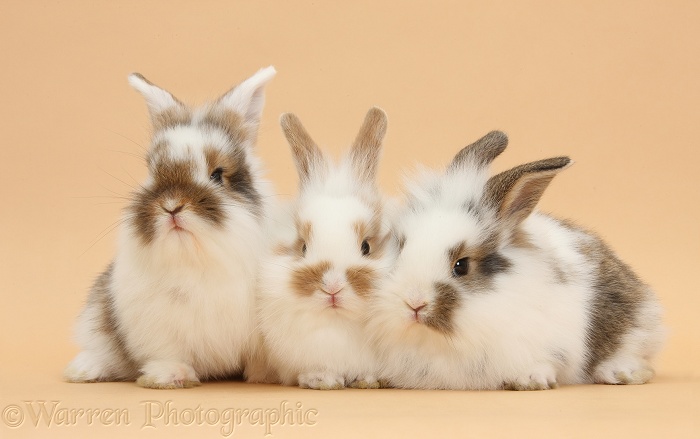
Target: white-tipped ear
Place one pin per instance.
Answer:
(158, 100)
(248, 97)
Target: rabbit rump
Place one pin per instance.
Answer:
(487, 294)
(176, 305)
(316, 285)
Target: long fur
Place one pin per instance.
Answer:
(309, 342)
(544, 303)
(178, 306)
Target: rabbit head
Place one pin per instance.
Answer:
(202, 175)
(451, 237)
(341, 236)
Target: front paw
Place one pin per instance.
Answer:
(321, 381)
(168, 375)
(623, 373)
(366, 382)
(541, 380)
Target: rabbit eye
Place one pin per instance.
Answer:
(303, 249)
(365, 248)
(461, 267)
(216, 176)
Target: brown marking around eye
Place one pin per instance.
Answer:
(309, 278)
(485, 261)
(457, 252)
(372, 233)
(173, 180)
(362, 280)
(236, 176)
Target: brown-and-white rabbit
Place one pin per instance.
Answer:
(316, 286)
(487, 293)
(176, 305)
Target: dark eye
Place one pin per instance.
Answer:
(461, 267)
(216, 176)
(303, 249)
(365, 248)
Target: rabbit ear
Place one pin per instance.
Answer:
(248, 97)
(158, 100)
(364, 154)
(482, 152)
(516, 192)
(307, 155)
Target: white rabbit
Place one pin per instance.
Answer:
(315, 287)
(487, 294)
(176, 305)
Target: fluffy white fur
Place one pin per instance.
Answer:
(310, 343)
(529, 332)
(185, 302)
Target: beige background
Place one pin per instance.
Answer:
(612, 84)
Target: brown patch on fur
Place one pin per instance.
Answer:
(618, 295)
(236, 176)
(362, 280)
(519, 238)
(365, 150)
(482, 152)
(560, 275)
(484, 261)
(442, 310)
(309, 278)
(173, 180)
(171, 117)
(457, 252)
(108, 325)
(304, 230)
(307, 156)
(516, 192)
(372, 233)
(229, 122)
(296, 249)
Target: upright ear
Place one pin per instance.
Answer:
(307, 156)
(364, 154)
(482, 152)
(516, 192)
(248, 97)
(157, 99)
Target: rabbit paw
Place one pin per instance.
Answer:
(85, 368)
(321, 381)
(544, 379)
(168, 375)
(621, 372)
(367, 382)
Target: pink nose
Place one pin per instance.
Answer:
(176, 210)
(332, 289)
(416, 309)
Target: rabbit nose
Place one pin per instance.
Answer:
(417, 308)
(175, 210)
(332, 290)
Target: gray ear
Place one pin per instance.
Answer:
(482, 152)
(157, 99)
(516, 192)
(364, 154)
(307, 156)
